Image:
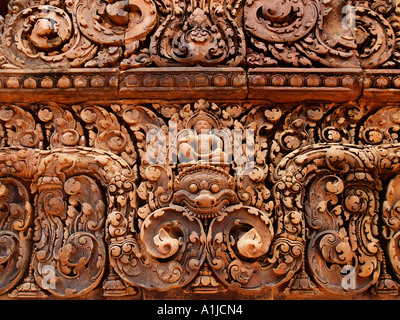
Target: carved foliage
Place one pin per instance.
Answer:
(16, 215)
(238, 242)
(61, 127)
(298, 33)
(20, 128)
(391, 228)
(203, 212)
(116, 24)
(171, 246)
(45, 36)
(76, 33)
(343, 223)
(199, 33)
(129, 34)
(133, 33)
(92, 33)
(69, 231)
(68, 255)
(375, 32)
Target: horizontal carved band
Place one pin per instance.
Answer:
(269, 84)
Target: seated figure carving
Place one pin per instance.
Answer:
(203, 184)
(200, 142)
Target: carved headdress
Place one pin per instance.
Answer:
(199, 116)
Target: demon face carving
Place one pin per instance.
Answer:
(204, 189)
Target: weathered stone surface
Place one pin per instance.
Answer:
(199, 150)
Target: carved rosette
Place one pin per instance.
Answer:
(45, 36)
(171, 246)
(81, 33)
(239, 242)
(295, 33)
(68, 254)
(117, 24)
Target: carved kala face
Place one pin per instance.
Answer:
(205, 193)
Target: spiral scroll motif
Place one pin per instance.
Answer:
(45, 36)
(15, 230)
(341, 245)
(374, 36)
(173, 245)
(74, 249)
(280, 20)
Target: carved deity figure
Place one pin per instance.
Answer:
(200, 143)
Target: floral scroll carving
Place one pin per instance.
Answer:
(68, 254)
(375, 31)
(77, 249)
(293, 33)
(45, 36)
(199, 33)
(107, 33)
(339, 242)
(199, 196)
(390, 218)
(77, 33)
(130, 34)
(16, 232)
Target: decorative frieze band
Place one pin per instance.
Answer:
(200, 196)
(230, 33)
(282, 85)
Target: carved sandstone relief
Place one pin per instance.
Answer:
(322, 33)
(298, 33)
(107, 33)
(199, 33)
(375, 31)
(199, 196)
(130, 34)
(76, 33)
(199, 222)
(67, 225)
(16, 232)
(270, 160)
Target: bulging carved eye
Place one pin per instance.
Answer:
(193, 188)
(214, 188)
